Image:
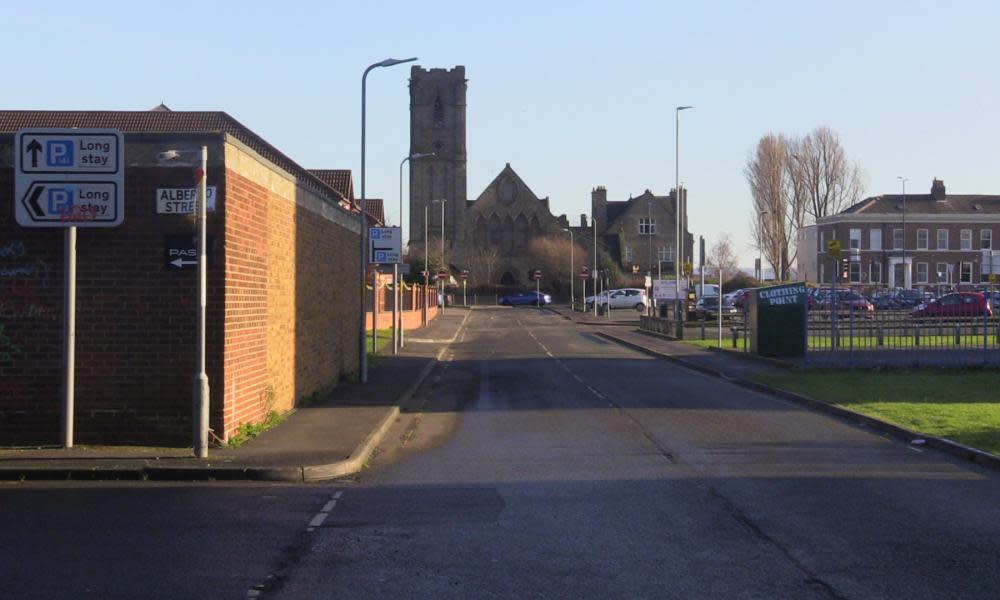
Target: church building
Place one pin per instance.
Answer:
(491, 236)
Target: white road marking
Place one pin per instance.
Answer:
(338, 495)
(318, 519)
(329, 506)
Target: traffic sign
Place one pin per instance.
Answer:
(181, 251)
(585, 274)
(385, 245)
(442, 275)
(464, 275)
(833, 249)
(69, 177)
(536, 274)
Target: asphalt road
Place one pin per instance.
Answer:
(542, 462)
(548, 463)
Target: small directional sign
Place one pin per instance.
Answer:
(385, 245)
(69, 177)
(181, 251)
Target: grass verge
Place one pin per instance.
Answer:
(961, 405)
(248, 431)
(384, 339)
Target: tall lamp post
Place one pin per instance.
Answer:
(572, 297)
(362, 353)
(201, 389)
(677, 217)
(593, 223)
(903, 180)
(397, 316)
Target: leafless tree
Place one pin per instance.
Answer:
(722, 255)
(551, 254)
(773, 222)
(482, 265)
(822, 173)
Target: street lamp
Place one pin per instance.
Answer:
(201, 390)
(397, 314)
(443, 201)
(572, 297)
(363, 354)
(903, 180)
(677, 204)
(593, 224)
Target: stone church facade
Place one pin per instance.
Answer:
(491, 235)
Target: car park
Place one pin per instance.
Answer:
(957, 304)
(526, 298)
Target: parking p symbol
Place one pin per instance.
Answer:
(59, 153)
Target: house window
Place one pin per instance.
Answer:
(942, 239)
(875, 239)
(922, 273)
(966, 273)
(855, 270)
(897, 239)
(628, 254)
(986, 239)
(647, 226)
(922, 239)
(966, 239)
(856, 238)
(875, 273)
(664, 253)
(942, 272)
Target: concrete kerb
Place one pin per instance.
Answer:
(299, 474)
(974, 455)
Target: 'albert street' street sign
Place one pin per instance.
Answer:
(182, 201)
(385, 245)
(69, 177)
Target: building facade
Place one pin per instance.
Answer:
(915, 241)
(281, 323)
(641, 232)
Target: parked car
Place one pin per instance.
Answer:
(634, 298)
(741, 297)
(844, 301)
(908, 298)
(528, 298)
(958, 304)
(708, 308)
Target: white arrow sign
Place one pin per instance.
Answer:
(180, 262)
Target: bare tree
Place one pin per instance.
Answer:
(773, 223)
(822, 173)
(722, 255)
(482, 265)
(551, 254)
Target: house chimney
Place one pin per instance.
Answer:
(937, 190)
(583, 221)
(599, 206)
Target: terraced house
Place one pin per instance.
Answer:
(936, 240)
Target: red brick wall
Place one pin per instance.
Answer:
(291, 314)
(282, 312)
(135, 323)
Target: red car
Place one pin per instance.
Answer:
(958, 304)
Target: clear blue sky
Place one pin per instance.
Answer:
(572, 94)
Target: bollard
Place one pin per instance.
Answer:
(879, 337)
(916, 336)
(958, 335)
(736, 332)
(703, 328)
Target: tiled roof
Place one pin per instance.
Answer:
(157, 121)
(376, 210)
(338, 179)
(926, 204)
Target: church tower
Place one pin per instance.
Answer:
(437, 124)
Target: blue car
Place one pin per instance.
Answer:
(531, 298)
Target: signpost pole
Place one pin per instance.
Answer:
(201, 379)
(719, 296)
(465, 302)
(69, 337)
(397, 317)
(374, 310)
(538, 289)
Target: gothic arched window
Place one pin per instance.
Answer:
(521, 232)
(495, 231)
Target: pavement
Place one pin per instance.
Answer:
(331, 438)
